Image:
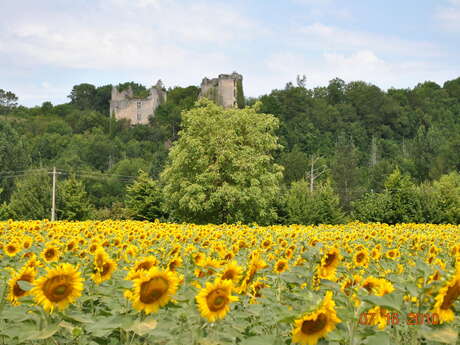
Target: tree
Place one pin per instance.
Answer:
(32, 197)
(399, 202)
(318, 207)
(72, 200)
(8, 101)
(144, 199)
(13, 157)
(83, 96)
(345, 173)
(221, 168)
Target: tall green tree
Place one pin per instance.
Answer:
(144, 199)
(72, 200)
(318, 207)
(32, 197)
(221, 168)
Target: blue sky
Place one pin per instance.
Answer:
(48, 46)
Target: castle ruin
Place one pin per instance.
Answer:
(226, 90)
(124, 104)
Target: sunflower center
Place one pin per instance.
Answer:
(453, 292)
(146, 265)
(281, 266)
(217, 300)
(329, 259)
(105, 269)
(360, 257)
(153, 290)
(49, 254)
(57, 288)
(314, 326)
(11, 249)
(229, 275)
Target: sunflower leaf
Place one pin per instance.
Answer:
(391, 301)
(379, 338)
(445, 335)
(24, 285)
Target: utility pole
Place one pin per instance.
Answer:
(53, 199)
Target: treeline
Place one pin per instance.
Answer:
(349, 151)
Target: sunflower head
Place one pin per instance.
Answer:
(153, 289)
(232, 271)
(315, 325)
(50, 253)
(26, 274)
(214, 299)
(60, 287)
(445, 299)
(281, 266)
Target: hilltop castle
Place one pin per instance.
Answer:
(225, 90)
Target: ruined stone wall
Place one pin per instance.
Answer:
(222, 90)
(138, 111)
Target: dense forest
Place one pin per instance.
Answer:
(352, 146)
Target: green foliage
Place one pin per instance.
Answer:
(440, 200)
(32, 197)
(8, 101)
(239, 94)
(144, 199)
(318, 207)
(72, 200)
(397, 204)
(221, 169)
(139, 91)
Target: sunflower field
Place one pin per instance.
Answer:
(133, 283)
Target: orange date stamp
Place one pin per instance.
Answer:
(411, 319)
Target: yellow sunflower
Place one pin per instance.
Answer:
(361, 258)
(315, 325)
(214, 299)
(26, 274)
(58, 288)
(329, 263)
(12, 248)
(232, 271)
(153, 289)
(446, 299)
(281, 266)
(104, 266)
(377, 286)
(50, 253)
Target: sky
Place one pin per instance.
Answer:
(48, 46)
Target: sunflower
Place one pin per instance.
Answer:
(329, 263)
(12, 248)
(50, 253)
(446, 299)
(281, 266)
(315, 325)
(145, 264)
(153, 289)
(361, 258)
(232, 271)
(175, 263)
(214, 299)
(26, 274)
(255, 288)
(58, 288)
(377, 286)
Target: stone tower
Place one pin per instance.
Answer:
(226, 90)
(124, 105)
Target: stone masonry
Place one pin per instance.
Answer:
(123, 105)
(223, 89)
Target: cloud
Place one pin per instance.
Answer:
(363, 65)
(142, 34)
(449, 16)
(318, 35)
